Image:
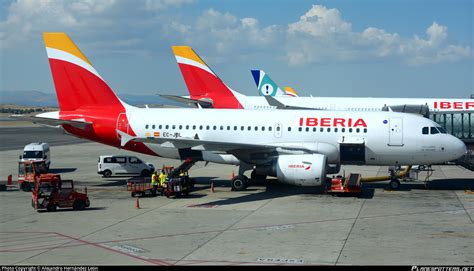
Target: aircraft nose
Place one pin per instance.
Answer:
(458, 148)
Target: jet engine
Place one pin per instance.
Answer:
(302, 169)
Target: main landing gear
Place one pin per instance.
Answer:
(241, 182)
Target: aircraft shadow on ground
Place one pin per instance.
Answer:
(62, 170)
(440, 184)
(273, 190)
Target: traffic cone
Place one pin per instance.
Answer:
(212, 187)
(137, 204)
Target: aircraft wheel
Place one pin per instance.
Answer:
(239, 183)
(394, 184)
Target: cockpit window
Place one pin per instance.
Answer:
(425, 130)
(434, 130)
(441, 130)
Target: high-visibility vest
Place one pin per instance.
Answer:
(162, 179)
(154, 181)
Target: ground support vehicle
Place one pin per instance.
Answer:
(29, 171)
(142, 188)
(178, 182)
(51, 194)
(342, 186)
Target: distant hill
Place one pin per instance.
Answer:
(38, 98)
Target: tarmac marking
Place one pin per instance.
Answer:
(221, 232)
(464, 207)
(350, 231)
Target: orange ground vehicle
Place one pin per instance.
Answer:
(342, 186)
(29, 171)
(51, 194)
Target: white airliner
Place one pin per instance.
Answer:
(206, 88)
(295, 146)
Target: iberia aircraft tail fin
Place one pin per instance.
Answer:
(266, 86)
(201, 81)
(78, 84)
(290, 91)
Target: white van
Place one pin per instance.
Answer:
(37, 152)
(123, 165)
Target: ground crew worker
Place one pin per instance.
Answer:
(154, 180)
(162, 178)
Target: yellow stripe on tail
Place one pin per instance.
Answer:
(61, 41)
(187, 52)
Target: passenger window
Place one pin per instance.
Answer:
(153, 126)
(200, 127)
(329, 130)
(343, 130)
(108, 160)
(207, 127)
(181, 127)
(335, 130)
(289, 129)
(307, 129)
(425, 130)
(357, 130)
(235, 128)
(159, 127)
(365, 130)
(167, 126)
(194, 127)
(228, 128)
(121, 160)
(256, 128)
(300, 129)
(146, 126)
(242, 128)
(314, 129)
(434, 130)
(321, 129)
(263, 128)
(214, 127)
(134, 160)
(174, 127)
(350, 130)
(187, 127)
(278, 128)
(270, 128)
(249, 128)
(222, 127)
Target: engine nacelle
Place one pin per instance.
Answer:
(333, 168)
(302, 169)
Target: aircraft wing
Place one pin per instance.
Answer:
(54, 122)
(188, 101)
(243, 151)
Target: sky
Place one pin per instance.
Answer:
(405, 48)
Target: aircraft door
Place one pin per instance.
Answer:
(278, 130)
(395, 136)
(122, 123)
